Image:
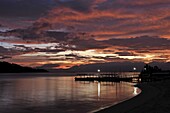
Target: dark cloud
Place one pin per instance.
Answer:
(60, 36)
(49, 66)
(125, 53)
(79, 5)
(4, 57)
(166, 18)
(36, 34)
(24, 49)
(143, 42)
(82, 41)
(24, 8)
(83, 44)
(6, 51)
(3, 50)
(75, 56)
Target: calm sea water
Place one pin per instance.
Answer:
(59, 95)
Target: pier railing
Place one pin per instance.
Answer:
(106, 76)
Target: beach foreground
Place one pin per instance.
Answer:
(154, 98)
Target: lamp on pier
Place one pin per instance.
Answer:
(98, 70)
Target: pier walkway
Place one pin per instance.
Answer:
(107, 77)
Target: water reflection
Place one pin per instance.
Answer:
(58, 94)
(98, 90)
(136, 91)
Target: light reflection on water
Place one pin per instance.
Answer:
(59, 94)
(135, 91)
(98, 89)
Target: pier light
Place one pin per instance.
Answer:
(135, 91)
(99, 88)
(134, 68)
(98, 70)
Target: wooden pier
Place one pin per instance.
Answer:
(106, 77)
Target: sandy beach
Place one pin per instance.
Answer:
(154, 98)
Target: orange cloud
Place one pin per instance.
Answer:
(103, 27)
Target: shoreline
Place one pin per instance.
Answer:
(144, 102)
(23, 75)
(111, 105)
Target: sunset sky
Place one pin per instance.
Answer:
(56, 34)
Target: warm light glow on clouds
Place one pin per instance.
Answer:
(61, 34)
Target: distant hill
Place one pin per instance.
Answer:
(113, 67)
(6, 67)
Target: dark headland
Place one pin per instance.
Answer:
(6, 67)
